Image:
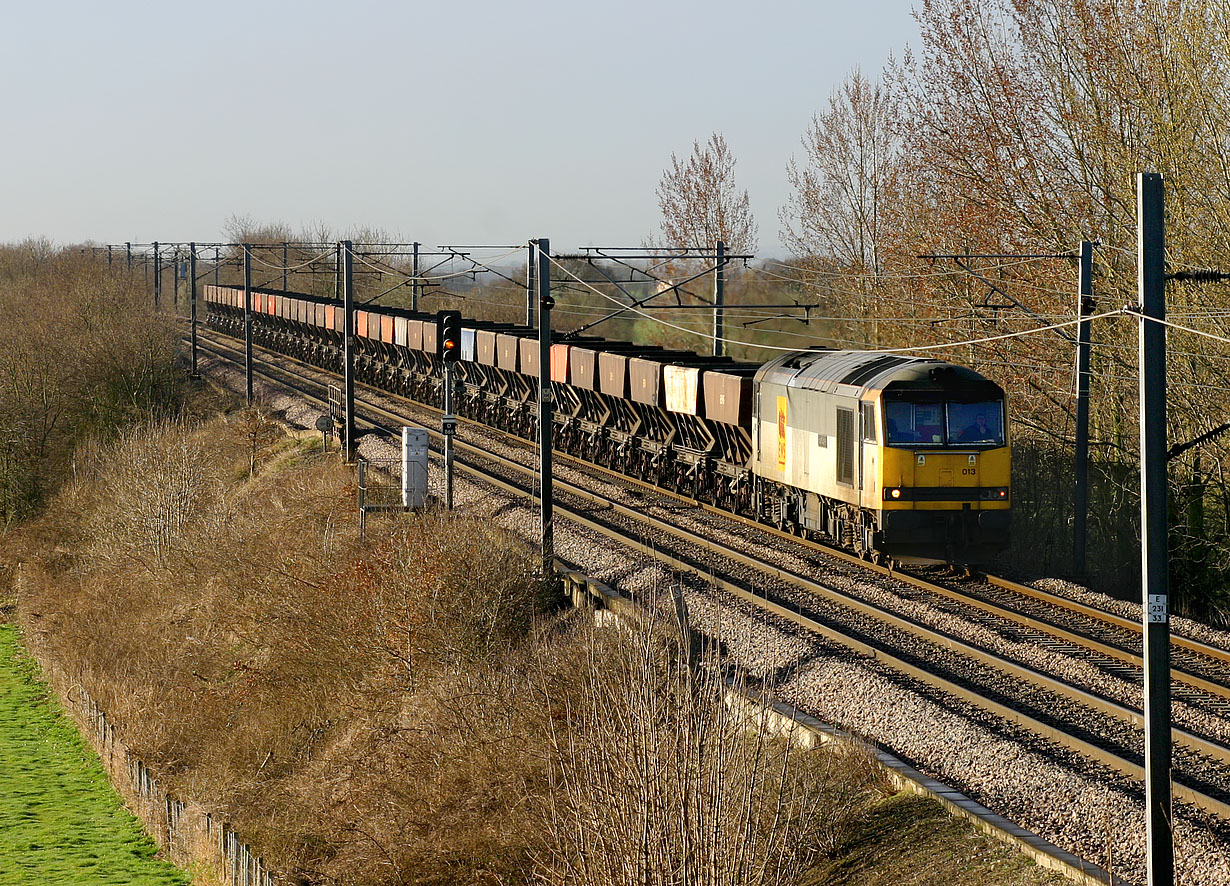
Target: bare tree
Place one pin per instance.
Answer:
(657, 781)
(701, 205)
(849, 153)
(1015, 131)
(157, 481)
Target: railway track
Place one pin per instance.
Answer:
(986, 646)
(1041, 614)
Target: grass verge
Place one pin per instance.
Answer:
(907, 839)
(60, 820)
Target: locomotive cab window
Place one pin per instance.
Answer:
(869, 422)
(914, 424)
(980, 423)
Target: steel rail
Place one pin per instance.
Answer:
(1127, 624)
(1057, 632)
(1060, 633)
(1030, 622)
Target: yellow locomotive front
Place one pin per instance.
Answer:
(944, 468)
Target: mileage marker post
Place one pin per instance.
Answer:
(1155, 579)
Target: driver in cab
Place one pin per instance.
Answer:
(979, 431)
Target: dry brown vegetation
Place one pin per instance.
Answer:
(700, 799)
(255, 656)
(81, 353)
(407, 711)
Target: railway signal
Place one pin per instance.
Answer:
(448, 336)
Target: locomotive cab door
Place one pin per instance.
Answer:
(868, 438)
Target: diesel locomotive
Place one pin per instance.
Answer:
(901, 457)
(897, 458)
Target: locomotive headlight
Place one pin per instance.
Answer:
(892, 494)
(995, 493)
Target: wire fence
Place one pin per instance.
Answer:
(186, 832)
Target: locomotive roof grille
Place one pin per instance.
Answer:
(860, 374)
(954, 383)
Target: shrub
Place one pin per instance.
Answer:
(656, 780)
(81, 353)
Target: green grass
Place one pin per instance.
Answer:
(61, 822)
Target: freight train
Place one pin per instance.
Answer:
(897, 458)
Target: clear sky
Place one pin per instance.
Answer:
(470, 122)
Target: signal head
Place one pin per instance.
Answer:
(448, 336)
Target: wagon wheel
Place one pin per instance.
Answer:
(780, 520)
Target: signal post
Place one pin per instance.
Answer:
(448, 348)
(546, 403)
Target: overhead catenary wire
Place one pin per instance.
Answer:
(1028, 367)
(513, 251)
(278, 267)
(478, 266)
(581, 312)
(383, 267)
(907, 350)
(882, 297)
(635, 310)
(840, 274)
(883, 277)
(1199, 332)
(748, 310)
(328, 249)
